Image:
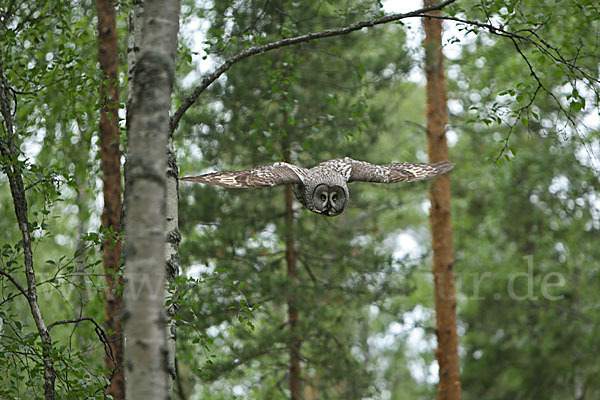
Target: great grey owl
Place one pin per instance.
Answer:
(322, 189)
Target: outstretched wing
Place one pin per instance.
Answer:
(395, 172)
(279, 173)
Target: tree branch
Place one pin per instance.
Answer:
(14, 282)
(101, 335)
(74, 321)
(531, 37)
(208, 80)
(542, 45)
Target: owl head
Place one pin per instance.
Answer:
(329, 200)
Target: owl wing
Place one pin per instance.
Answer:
(279, 173)
(394, 172)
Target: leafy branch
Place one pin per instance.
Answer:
(530, 36)
(542, 45)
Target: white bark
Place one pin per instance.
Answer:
(146, 346)
(134, 40)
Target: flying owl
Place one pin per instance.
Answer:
(322, 189)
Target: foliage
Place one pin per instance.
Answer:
(48, 55)
(539, 64)
(525, 229)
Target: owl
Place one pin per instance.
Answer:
(323, 189)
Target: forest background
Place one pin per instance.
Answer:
(523, 132)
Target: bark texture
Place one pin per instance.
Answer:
(292, 273)
(9, 150)
(172, 175)
(110, 161)
(172, 255)
(441, 225)
(146, 350)
(134, 40)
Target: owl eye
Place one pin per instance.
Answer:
(334, 197)
(323, 197)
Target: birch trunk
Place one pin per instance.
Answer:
(441, 224)
(134, 40)
(172, 255)
(145, 318)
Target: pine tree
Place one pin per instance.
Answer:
(441, 226)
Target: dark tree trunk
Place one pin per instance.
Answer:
(292, 273)
(441, 227)
(110, 155)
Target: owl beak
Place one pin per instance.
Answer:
(329, 211)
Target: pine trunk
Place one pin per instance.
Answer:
(295, 340)
(110, 156)
(441, 227)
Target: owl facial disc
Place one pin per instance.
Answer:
(329, 200)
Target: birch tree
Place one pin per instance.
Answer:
(145, 199)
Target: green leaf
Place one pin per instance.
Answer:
(576, 106)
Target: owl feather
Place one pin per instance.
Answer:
(279, 173)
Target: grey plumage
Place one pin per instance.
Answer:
(323, 189)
